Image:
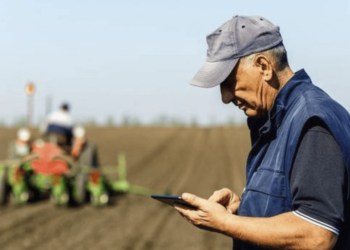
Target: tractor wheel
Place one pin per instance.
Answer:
(88, 156)
(80, 193)
(3, 189)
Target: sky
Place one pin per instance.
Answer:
(113, 58)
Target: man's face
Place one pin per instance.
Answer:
(245, 87)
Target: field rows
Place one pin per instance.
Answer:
(192, 160)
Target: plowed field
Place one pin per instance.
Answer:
(196, 160)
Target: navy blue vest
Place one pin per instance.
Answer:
(274, 142)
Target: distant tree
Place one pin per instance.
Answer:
(136, 122)
(90, 123)
(213, 121)
(166, 121)
(2, 123)
(176, 122)
(161, 120)
(193, 123)
(19, 122)
(126, 121)
(231, 122)
(110, 121)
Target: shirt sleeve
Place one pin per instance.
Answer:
(317, 180)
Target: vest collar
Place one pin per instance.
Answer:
(291, 91)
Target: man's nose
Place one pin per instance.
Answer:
(226, 95)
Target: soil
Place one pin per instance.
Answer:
(196, 160)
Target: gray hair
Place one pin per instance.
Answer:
(278, 55)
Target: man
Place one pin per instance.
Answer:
(297, 190)
(59, 123)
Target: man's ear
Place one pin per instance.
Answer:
(265, 67)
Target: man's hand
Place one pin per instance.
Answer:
(211, 214)
(226, 198)
(283, 231)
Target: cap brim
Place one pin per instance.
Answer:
(213, 73)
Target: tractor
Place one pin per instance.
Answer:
(68, 175)
(46, 167)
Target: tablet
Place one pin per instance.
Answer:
(171, 200)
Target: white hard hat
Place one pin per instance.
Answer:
(23, 134)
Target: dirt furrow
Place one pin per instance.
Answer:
(12, 216)
(135, 225)
(209, 174)
(154, 153)
(168, 168)
(237, 148)
(196, 160)
(188, 181)
(25, 228)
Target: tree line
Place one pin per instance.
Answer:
(130, 121)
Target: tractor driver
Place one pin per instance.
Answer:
(60, 125)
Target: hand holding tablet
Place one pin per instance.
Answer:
(172, 200)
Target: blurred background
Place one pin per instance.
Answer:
(124, 67)
(130, 62)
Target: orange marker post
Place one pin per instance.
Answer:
(30, 90)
